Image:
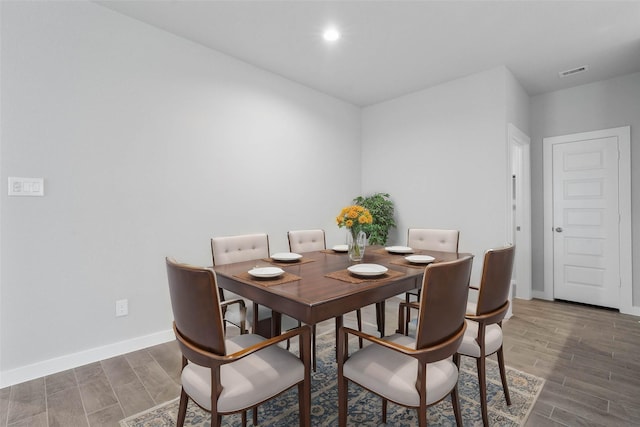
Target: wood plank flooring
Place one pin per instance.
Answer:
(589, 357)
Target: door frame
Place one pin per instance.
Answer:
(520, 144)
(624, 206)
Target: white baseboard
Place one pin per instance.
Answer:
(633, 310)
(540, 295)
(69, 361)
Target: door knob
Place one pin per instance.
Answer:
(559, 229)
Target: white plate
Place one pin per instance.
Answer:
(368, 269)
(341, 248)
(286, 256)
(420, 259)
(266, 272)
(399, 249)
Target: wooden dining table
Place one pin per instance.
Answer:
(319, 287)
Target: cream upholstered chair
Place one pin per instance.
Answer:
(229, 375)
(431, 239)
(245, 247)
(484, 319)
(301, 241)
(413, 372)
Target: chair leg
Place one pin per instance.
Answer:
(313, 347)
(255, 416)
(182, 411)
(380, 317)
(384, 411)
(407, 318)
(455, 402)
(304, 404)
(342, 401)
(359, 320)
(244, 418)
(422, 417)
(482, 381)
(254, 327)
(503, 376)
(401, 310)
(343, 383)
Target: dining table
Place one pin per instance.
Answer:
(319, 286)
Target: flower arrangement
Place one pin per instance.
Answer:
(354, 217)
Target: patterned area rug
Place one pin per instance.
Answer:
(364, 407)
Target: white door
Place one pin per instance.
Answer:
(586, 246)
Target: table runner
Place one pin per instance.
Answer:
(346, 276)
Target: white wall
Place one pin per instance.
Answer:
(441, 154)
(518, 104)
(149, 145)
(601, 105)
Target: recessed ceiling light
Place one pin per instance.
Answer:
(331, 34)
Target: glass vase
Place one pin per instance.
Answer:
(356, 241)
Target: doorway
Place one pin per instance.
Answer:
(519, 201)
(587, 223)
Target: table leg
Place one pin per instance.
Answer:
(339, 323)
(276, 323)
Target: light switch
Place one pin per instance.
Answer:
(26, 186)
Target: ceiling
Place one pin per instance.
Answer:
(391, 48)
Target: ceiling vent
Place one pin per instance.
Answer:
(573, 71)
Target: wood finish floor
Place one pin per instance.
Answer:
(589, 357)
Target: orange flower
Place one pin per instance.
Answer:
(354, 215)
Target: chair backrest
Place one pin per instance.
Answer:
(301, 241)
(433, 239)
(496, 280)
(443, 301)
(245, 247)
(196, 306)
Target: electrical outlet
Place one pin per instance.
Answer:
(26, 186)
(122, 307)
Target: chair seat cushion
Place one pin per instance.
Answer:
(492, 339)
(247, 382)
(393, 375)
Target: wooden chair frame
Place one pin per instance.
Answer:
(423, 356)
(434, 343)
(214, 361)
(206, 344)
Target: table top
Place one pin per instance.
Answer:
(311, 296)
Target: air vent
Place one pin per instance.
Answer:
(573, 71)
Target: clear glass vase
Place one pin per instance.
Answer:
(356, 241)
